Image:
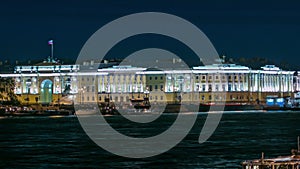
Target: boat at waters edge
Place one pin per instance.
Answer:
(281, 162)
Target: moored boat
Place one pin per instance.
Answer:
(205, 107)
(108, 107)
(281, 162)
(141, 103)
(282, 103)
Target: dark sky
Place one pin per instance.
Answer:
(236, 28)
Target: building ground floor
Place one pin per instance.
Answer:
(46, 95)
(201, 97)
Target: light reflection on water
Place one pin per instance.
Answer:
(44, 142)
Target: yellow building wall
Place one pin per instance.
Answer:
(25, 99)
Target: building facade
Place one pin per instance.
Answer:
(48, 84)
(43, 84)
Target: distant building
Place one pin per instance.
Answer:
(6, 88)
(48, 82)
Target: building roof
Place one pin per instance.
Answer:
(221, 67)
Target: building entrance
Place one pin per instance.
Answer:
(46, 91)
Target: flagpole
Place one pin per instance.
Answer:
(51, 52)
(50, 42)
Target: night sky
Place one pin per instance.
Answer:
(236, 28)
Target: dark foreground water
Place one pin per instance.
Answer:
(45, 142)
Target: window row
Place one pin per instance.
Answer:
(229, 77)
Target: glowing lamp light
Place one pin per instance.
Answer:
(280, 100)
(270, 102)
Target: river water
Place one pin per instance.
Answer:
(60, 142)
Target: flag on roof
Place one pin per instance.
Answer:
(50, 42)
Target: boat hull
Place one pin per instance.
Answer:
(228, 107)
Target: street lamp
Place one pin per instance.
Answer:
(139, 89)
(133, 90)
(81, 91)
(146, 92)
(106, 89)
(28, 84)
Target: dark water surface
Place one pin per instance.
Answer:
(48, 142)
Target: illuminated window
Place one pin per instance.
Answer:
(209, 87)
(217, 87)
(229, 87)
(223, 87)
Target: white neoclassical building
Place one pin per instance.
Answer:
(92, 82)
